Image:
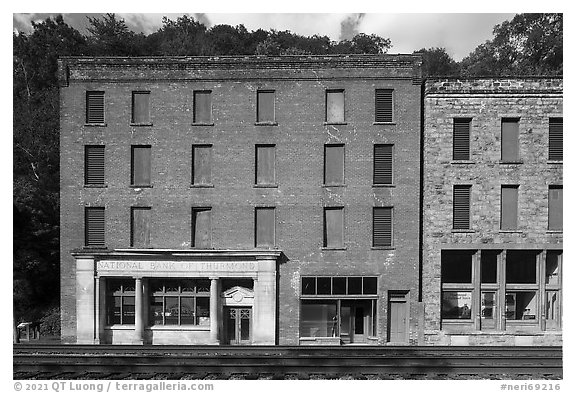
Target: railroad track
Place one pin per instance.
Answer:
(284, 362)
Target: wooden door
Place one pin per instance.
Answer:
(398, 318)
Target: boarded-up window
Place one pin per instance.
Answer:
(335, 106)
(201, 227)
(510, 148)
(140, 107)
(555, 142)
(265, 111)
(95, 107)
(203, 107)
(265, 227)
(141, 165)
(461, 207)
(461, 139)
(384, 106)
(94, 165)
(94, 227)
(333, 164)
(140, 228)
(382, 227)
(265, 164)
(555, 199)
(509, 208)
(334, 227)
(202, 164)
(383, 158)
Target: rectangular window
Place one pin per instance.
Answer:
(265, 111)
(202, 164)
(456, 273)
(555, 202)
(202, 227)
(203, 107)
(141, 166)
(510, 144)
(265, 164)
(333, 165)
(140, 227)
(461, 139)
(95, 107)
(335, 106)
(265, 227)
(334, 227)
(461, 207)
(94, 165)
(141, 107)
(383, 160)
(555, 139)
(179, 302)
(382, 227)
(384, 106)
(120, 301)
(509, 208)
(94, 227)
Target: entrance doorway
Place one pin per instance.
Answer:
(238, 325)
(398, 317)
(354, 321)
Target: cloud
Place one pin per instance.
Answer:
(349, 27)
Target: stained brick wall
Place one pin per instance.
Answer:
(300, 84)
(486, 101)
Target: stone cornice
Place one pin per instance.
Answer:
(495, 85)
(176, 254)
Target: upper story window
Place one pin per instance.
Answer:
(265, 227)
(94, 227)
(382, 227)
(265, 165)
(555, 202)
(335, 106)
(140, 227)
(265, 112)
(461, 139)
(334, 164)
(461, 207)
(94, 165)
(384, 106)
(201, 227)
(509, 208)
(555, 139)
(203, 107)
(383, 164)
(141, 166)
(202, 165)
(94, 107)
(333, 227)
(510, 142)
(140, 107)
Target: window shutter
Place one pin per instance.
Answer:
(94, 165)
(335, 106)
(555, 208)
(95, 107)
(140, 107)
(265, 162)
(510, 149)
(203, 107)
(202, 164)
(141, 227)
(94, 226)
(201, 228)
(509, 207)
(334, 227)
(384, 105)
(141, 165)
(265, 106)
(461, 139)
(555, 145)
(383, 164)
(333, 164)
(461, 207)
(265, 227)
(382, 227)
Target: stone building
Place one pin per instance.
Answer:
(241, 200)
(492, 211)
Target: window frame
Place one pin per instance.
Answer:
(193, 165)
(560, 228)
(327, 93)
(195, 108)
(132, 226)
(343, 170)
(392, 243)
(258, 115)
(148, 118)
(257, 183)
(510, 160)
(87, 119)
(197, 209)
(325, 242)
(457, 123)
(133, 167)
(555, 137)
(374, 165)
(90, 167)
(121, 294)
(94, 243)
(503, 227)
(457, 205)
(256, 240)
(180, 294)
(393, 102)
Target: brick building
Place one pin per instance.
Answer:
(492, 211)
(241, 200)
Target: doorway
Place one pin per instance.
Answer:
(355, 321)
(397, 317)
(238, 325)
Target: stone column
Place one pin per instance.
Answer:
(213, 310)
(85, 300)
(102, 311)
(97, 311)
(264, 329)
(139, 317)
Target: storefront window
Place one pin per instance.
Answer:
(179, 302)
(456, 304)
(318, 318)
(120, 302)
(521, 305)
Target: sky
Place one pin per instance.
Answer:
(459, 33)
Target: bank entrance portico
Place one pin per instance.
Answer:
(176, 296)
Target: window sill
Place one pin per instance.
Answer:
(464, 162)
(119, 327)
(265, 186)
(201, 185)
(555, 162)
(389, 123)
(95, 125)
(141, 186)
(94, 248)
(510, 231)
(384, 185)
(463, 231)
(180, 327)
(334, 185)
(517, 162)
(141, 124)
(555, 231)
(382, 248)
(95, 185)
(266, 123)
(333, 248)
(340, 123)
(203, 124)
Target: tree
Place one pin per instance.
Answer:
(437, 62)
(182, 37)
(112, 37)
